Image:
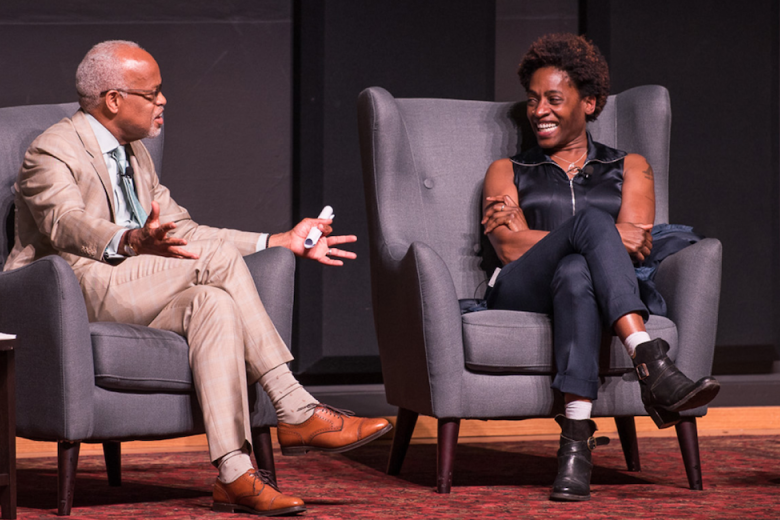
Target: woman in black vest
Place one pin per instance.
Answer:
(568, 218)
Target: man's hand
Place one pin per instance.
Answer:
(637, 239)
(153, 239)
(503, 211)
(323, 250)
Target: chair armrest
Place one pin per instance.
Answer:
(43, 305)
(690, 283)
(419, 331)
(273, 271)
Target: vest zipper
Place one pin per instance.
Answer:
(571, 186)
(573, 202)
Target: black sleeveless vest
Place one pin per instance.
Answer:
(548, 197)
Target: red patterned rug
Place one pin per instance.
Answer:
(491, 480)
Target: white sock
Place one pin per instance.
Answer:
(289, 398)
(634, 340)
(233, 465)
(578, 410)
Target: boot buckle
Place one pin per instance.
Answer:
(594, 442)
(642, 372)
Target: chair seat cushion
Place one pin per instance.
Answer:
(140, 359)
(511, 342)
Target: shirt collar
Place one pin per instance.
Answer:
(105, 139)
(596, 152)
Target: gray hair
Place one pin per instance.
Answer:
(100, 70)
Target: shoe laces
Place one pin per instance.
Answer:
(331, 409)
(267, 477)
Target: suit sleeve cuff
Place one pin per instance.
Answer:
(112, 249)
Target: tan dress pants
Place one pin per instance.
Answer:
(213, 302)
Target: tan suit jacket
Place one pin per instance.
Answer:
(65, 206)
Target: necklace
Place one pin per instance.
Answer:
(572, 165)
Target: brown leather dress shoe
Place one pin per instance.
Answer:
(254, 492)
(329, 429)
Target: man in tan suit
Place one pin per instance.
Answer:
(87, 191)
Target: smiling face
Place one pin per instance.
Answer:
(556, 110)
(139, 115)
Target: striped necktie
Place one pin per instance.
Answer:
(126, 183)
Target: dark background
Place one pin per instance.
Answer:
(261, 121)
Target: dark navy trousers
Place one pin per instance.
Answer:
(582, 275)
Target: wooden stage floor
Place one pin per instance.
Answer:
(756, 420)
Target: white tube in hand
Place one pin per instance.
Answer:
(315, 234)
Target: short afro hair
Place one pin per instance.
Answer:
(577, 57)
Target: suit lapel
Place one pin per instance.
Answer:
(92, 148)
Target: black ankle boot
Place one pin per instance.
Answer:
(665, 390)
(574, 466)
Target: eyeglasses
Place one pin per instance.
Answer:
(149, 95)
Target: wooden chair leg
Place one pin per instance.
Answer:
(626, 428)
(67, 462)
(445, 455)
(264, 450)
(404, 428)
(688, 437)
(112, 453)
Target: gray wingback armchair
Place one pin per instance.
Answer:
(423, 165)
(105, 382)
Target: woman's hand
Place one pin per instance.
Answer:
(504, 221)
(637, 239)
(503, 211)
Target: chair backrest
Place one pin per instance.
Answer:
(424, 161)
(19, 126)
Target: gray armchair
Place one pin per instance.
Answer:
(423, 165)
(105, 382)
